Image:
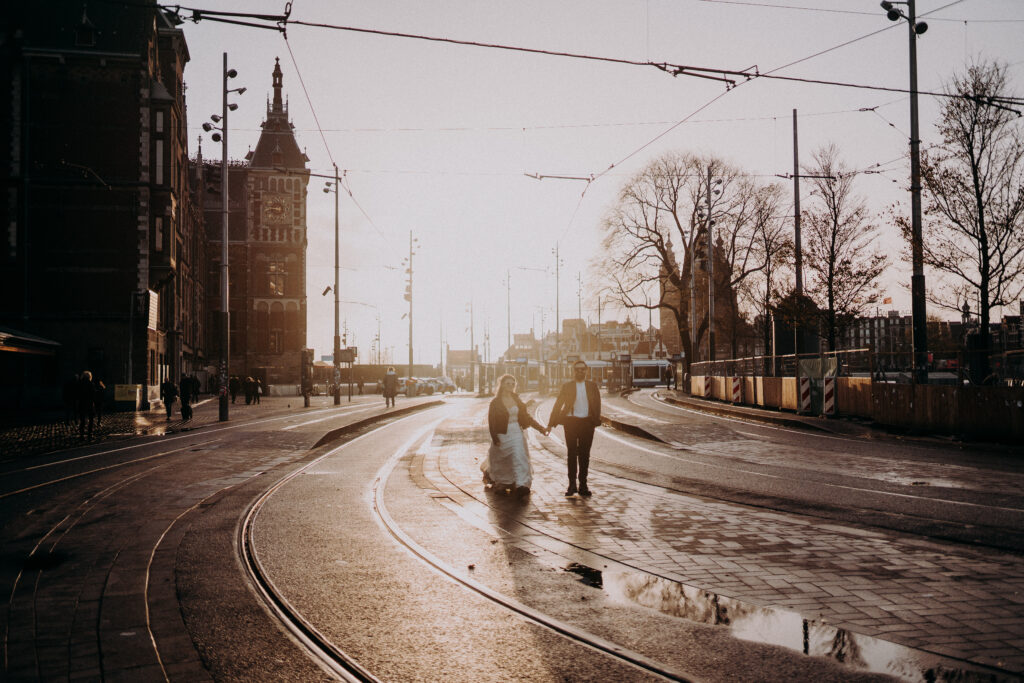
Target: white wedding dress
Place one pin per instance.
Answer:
(508, 463)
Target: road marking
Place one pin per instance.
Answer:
(341, 413)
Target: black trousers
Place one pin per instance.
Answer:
(579, 435)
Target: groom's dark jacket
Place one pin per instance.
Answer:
(567, 398)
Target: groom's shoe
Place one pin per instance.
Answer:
(571, 491)
(585, 492)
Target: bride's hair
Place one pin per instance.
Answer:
(504, 377)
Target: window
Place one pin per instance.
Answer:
(159, 122)
(158, 234)
(276, 344)
(159, 162)
(277, 276)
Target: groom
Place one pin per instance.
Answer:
(578, 410)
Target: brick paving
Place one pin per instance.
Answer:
(942, 598)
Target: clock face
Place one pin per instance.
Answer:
(275, 210)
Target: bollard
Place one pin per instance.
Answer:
(737, 390)
(708, 381)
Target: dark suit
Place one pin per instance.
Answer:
(579, 431)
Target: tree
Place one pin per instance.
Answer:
(655, 233)
(772, 248)
(843, 269)
(973, 219)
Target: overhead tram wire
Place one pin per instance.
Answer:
(746, 3)
(727, 76)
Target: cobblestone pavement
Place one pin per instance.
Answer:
(945, 599)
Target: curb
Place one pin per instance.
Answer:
(725, 411)
(335, 434)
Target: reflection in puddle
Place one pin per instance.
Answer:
(591, 577)
(784, 628)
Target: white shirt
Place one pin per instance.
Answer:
(581, 408)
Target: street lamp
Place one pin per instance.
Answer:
(917, 289)
(332, 186)
(224, 318)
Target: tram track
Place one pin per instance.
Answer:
(344, 666)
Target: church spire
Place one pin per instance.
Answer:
(278, 106)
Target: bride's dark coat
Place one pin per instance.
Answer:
(497, 417)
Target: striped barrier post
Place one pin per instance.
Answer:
(805, 394)
(830, 396)
(737, 390)
(708, 382)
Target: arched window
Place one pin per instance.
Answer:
(262, 326)
(276, 327)
(291, 327)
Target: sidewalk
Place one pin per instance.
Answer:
(51, 433)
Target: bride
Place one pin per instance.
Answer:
(507, 465)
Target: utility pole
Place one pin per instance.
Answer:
(408, 297)
(558, 315)
(337, 268)
(508, 309)
(796, 213)
(711, 277)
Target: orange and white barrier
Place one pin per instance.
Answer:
(737, 390)
(709, 382)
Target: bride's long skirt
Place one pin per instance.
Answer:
(508, 463)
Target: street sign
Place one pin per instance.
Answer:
(346, 356)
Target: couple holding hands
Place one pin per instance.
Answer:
(577, 409)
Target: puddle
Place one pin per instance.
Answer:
(783, 628)
(591, 577)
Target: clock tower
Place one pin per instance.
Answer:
(268, 316)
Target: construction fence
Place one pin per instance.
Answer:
(877, 387)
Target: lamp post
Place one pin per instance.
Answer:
(332, 186)
(917, 288)
(558, 315)
(224, 319)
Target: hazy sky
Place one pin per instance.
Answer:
(438, 138)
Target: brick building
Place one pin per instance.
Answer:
(102, 243)
(267, 251)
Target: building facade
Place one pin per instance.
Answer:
(101, 236)
(267, 238)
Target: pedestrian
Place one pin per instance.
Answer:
(85, 398)
(258, 390)
(234, 384)
(360, 385)
(669, 377)
(186, 397)
(507, 465)
(390, 384)
(578, 410)
(98, 391)
(169, 393)
(247, 387)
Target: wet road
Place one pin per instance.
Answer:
(724, 557)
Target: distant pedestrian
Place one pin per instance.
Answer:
(259, 390)
(360, 385)
(578, 410)
(169, 393)
(85, 398)
(234, 384)
(390, 384)
(98, 395)
(187, 397)
(670, 377)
